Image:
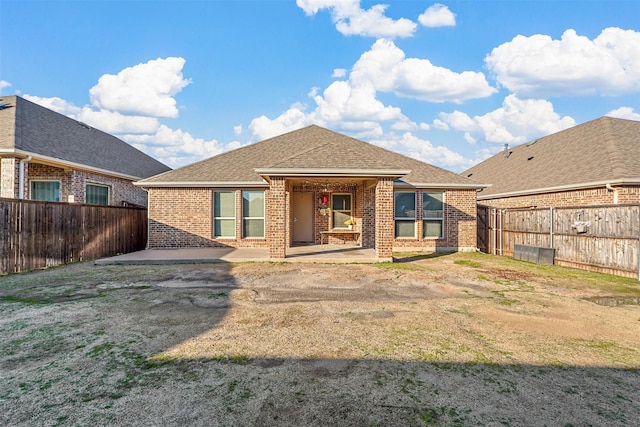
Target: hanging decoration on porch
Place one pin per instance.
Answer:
(323, 205)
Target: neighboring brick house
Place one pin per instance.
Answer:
(303, 187)
(47, 156)
(595, 163)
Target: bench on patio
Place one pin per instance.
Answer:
(357, 234)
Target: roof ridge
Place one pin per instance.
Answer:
(618, 165)
(299, 153)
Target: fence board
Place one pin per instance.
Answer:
(42, 234)
(609, 243)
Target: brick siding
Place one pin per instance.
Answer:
(460, 227)
(384, 219)
(183, 217)
(72, 183)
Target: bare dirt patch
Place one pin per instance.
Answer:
(462, 339)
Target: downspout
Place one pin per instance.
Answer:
(615, 193)
(21, 176)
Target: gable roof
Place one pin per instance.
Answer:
(605, 150)
(310, 151)
(27, 129)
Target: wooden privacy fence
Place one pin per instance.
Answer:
(42, 234)
(604, 238)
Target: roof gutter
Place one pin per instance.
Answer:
(621, 181)
(200, 184)
(440, 185)
(332, 173)
(35, 157)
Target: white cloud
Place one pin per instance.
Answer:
(56, 104)
(122, 106)
(470, 139)
(292, 119)
(339, 73)
(115, 123)
(440, 125)
(517, 121)
(351, 19)
(237, 130)
(144, 89)
(4, 84)
(352, 105)
(574, 65)
(424, 150)
(624, 113)
(174, 147)
(437, 15)
(386, 66)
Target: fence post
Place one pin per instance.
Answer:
(551, 227)
(501, 233)
(495, 230)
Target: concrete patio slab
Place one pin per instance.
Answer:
(333, 254)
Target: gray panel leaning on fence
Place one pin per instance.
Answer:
(604, 238)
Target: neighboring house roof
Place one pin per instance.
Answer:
(30, 129)
(596, 153)
(310, 151)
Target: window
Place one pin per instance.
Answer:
(340, 210)
(48, 191)
(253, 214)
(433, 214)
(224, 214)
(404, 203)
(96, 194)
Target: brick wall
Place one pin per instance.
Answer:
(460, 227)
(384, 219)
(183, 217)
(590, 196)
(73, 183)
(277, 211)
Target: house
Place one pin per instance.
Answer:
(594, 163)
(47, 156)
(305, 187)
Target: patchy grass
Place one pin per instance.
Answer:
(428, 340)
(468, 263)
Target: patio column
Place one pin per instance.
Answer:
(277, 217)
(384, 219)
(9, 183)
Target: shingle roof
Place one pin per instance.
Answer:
(599, 151)
(30, 128)
(311, 148)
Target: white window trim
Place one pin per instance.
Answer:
(442, 228)
(45, 180)
(108, 187)
(213, 231)
(263, 217)
(350, 211)
(414, 219)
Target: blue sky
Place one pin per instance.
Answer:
(448, 83)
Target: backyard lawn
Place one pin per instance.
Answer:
(460, 339)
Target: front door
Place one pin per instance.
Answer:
(303, 217)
